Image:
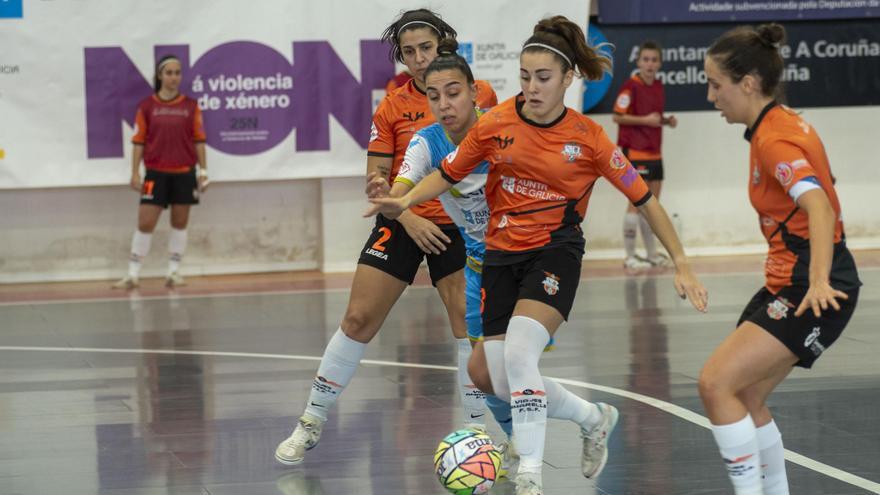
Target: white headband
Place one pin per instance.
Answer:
(548, 47)
(418, 22)
(166, 61)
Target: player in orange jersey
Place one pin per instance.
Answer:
(170, 138)
(638, 110)
(811, 280)
(396, 248)
(544, 160)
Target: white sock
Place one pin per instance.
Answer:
(176, 248)
(738, 443)
(648, 237)
(494, 350)
(772, 459)
(562, 404)
(523, 346)
(473, 400)
(630, 223)
(140, 247)
(341, 358)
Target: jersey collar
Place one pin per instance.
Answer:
(751, 132)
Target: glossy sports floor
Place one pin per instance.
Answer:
(188, 392)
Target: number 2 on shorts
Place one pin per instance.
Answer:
(380, 244)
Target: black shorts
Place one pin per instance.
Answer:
(393, 251)
(806, 336)
(550, 276)
(163, 189)
(648, 169)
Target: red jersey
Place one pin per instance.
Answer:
(540, 177)
(637, 98)
(784, 151)
(168, 130)
(399, 116)
(398, 81)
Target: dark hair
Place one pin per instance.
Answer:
(157, 84)
(567, 37)
(747, 50)
(423, 18)
(651, 45)
(449, 59)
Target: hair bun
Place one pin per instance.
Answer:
(447, 46)
(771, 35)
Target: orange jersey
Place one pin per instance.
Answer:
(399, 116)
(540, 176)
(785, 151)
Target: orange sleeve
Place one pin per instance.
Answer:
(623, 103)
(140, 128)
(198, 126)
(611, 164)
(464, 159)
(486, 97)
(786, 162)
(381, 132)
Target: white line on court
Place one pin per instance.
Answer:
(673, 409)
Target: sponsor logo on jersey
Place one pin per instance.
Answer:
(374, 133)
(623, 100)
(812, 342)
(784, 173)
(508, 184)
(571, 151)
(412, 117)
(756, 175)
(618, 161)
(503, 141)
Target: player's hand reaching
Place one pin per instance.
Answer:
(689, 287)
(426, 234)
(388, 207)
(819, 296)
(377, 186)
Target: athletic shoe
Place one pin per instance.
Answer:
(595, 453)
(304, 437)
(526, 484)
(174, 279)
(660, 260)
(127, 283)
(633, 262)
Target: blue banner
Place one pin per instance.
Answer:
(826, 64)
(669, 11)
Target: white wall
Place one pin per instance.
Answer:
(84, 233)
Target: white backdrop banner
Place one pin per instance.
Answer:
(287, 88)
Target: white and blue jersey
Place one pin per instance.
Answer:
(465, 204)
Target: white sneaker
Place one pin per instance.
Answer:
(660, 260)
(527, 484)
(127, 282)
(304, 437)
(509, 459)
(174, 279)
(635, 262)
(595, 453)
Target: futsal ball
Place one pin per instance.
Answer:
(467, 463)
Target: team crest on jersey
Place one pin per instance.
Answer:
(571, 151)
(784, 173)
(374, 133)
(623, 100)
(503, 222)
(404, 168)
(778, 309)
(551, 284)
(618, 161)
(508, 184)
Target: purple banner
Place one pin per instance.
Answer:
(251, 96)
(666, 11)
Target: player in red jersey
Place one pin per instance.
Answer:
(170, 139)
(811, 279)
(396, 248)
(638, 110)
(544, 160)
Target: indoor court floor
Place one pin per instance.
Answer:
(188, 392)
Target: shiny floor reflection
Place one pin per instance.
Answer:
(78, 421)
